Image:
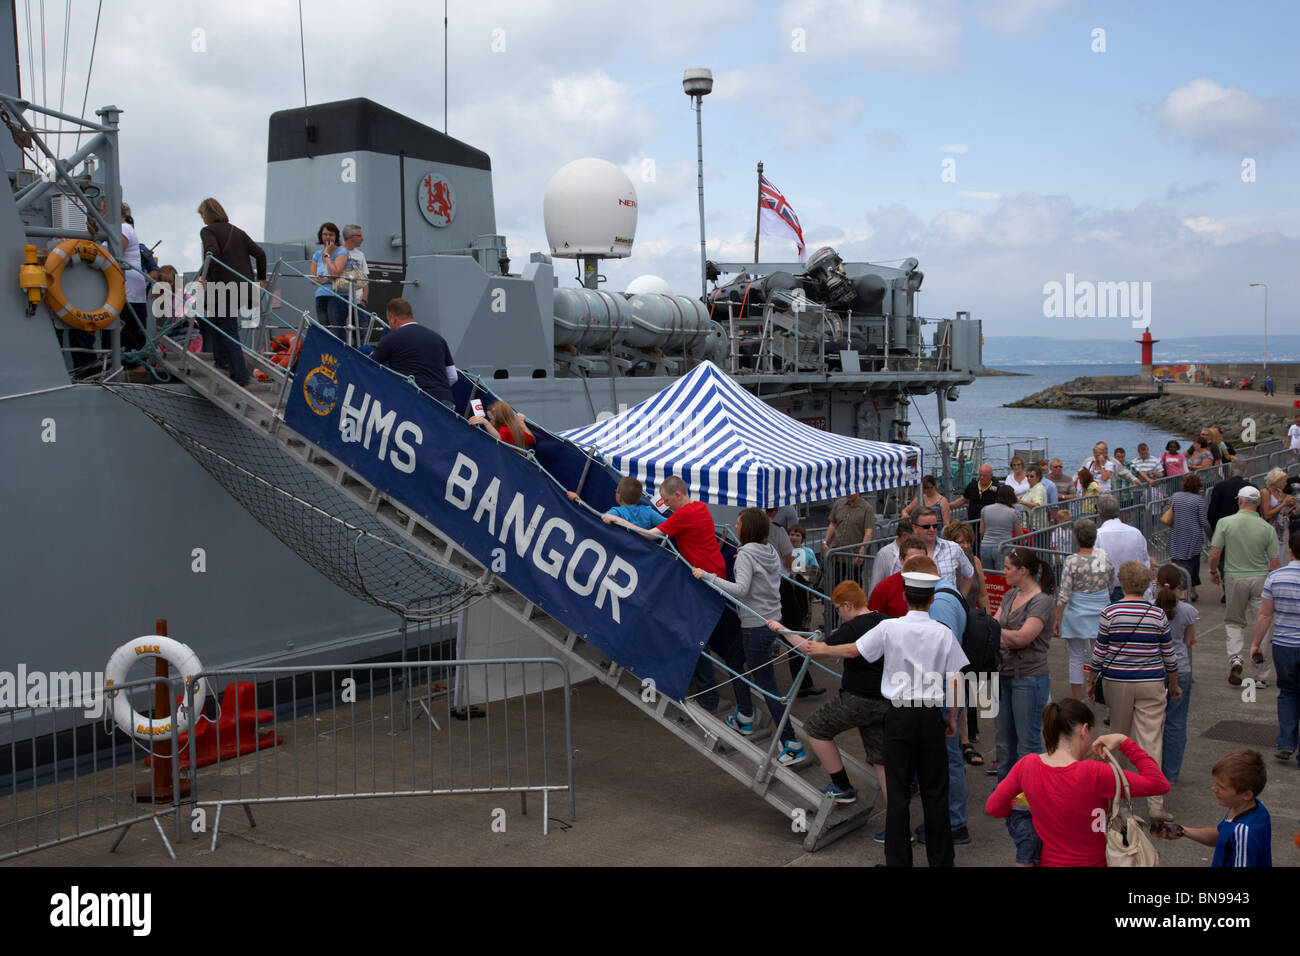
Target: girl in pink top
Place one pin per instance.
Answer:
(1067, 793)
(1174, 461)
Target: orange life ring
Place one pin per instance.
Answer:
(98, 257)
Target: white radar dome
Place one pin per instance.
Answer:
(649, 285)
(590, 210)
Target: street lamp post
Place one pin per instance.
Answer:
(1265, 285)
(698, 83)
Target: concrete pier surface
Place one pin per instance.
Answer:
(644, 798)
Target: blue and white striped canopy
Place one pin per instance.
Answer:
(734, 449)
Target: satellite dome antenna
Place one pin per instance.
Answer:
(698, 83)
(589, 209)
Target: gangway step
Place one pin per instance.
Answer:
(750, 762)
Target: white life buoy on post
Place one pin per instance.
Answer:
(183, 662)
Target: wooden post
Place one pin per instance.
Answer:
(160, 790)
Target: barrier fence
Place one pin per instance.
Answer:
(343, 737)
(1141, 506)
(291, 735)
(62, 778)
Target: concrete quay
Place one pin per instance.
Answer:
(643, 798)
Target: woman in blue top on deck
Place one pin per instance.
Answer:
(328, 264)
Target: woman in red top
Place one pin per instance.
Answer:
(509, 425)
(1069, 794)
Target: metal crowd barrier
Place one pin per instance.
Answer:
(290, 734)
(345, 734)
(63, 778)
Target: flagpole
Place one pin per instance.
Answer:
(758, 211)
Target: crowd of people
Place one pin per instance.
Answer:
(1128, 623)
(926, 608)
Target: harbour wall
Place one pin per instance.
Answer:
(1286, 375)
(1181, 414)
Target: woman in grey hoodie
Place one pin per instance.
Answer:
(758, 587)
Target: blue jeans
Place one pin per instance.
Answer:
(332, 312)
(225, 348)
(725, 642)
(757, 643)
(1175, 739)
(1286, 660)
(1020, 719)
(956, 780)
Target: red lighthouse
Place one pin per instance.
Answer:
(1146, 342)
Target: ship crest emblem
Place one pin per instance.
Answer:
(436, 199)
(321, 388)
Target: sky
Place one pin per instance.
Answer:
(1005, 144)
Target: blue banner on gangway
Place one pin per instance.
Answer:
(632, 599)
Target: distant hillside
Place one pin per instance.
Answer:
(1040, 350)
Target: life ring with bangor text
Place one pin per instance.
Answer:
(97, 256)
(183, 661)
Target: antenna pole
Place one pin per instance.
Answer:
(444, 66)
(302, 47)
(699, 148)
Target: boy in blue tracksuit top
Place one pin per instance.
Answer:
(629, 506)
(1245, 835)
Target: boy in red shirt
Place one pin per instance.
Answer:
(887, 597)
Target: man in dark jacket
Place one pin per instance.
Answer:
(1223, 502)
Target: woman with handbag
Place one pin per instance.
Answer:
(329, 262)
(1279, 506)
(1028, 617)
(1067, 792)
(1083, 593)
(1133, 655)
(1189, 525)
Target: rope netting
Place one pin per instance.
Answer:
(320, 523)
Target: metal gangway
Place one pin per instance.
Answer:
(260, 406)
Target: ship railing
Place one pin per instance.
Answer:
(402, 729)
(792, 335)
(360, 324)
(180, 331)
(67, 772)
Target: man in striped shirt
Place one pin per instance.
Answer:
(1281, 608)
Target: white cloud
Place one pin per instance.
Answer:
(958, 226)
(878, 34)
(1210, 116)
(977, 194)
(1016, 16)
(745, 84)
(1204, 225)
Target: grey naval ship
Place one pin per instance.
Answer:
(131, 497)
